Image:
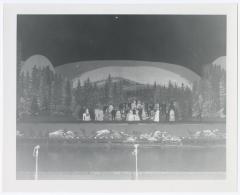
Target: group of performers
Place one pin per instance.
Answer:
(134, 110)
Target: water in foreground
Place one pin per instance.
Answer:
(116, 161)
(59, 159)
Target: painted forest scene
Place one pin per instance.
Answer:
(43, 92)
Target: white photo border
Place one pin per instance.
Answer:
(9, 97)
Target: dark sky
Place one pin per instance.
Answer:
(187, 40)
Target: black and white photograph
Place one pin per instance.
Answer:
(129, 98)
(121, 97)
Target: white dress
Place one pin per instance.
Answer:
(144, 115)
(171, 115)
(130, 116)
(98, 115)
(86, 117)
(118, 116)
(156, 116)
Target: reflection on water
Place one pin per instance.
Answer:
(60, 157)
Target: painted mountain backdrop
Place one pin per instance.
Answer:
(141, 72)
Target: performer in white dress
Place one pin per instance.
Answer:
(156, 116)
(144, 115)
(118, 116)
(130, 116)
(171, 115)
(98, 115)
(86, 116)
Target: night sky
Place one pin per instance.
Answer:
(191, 41)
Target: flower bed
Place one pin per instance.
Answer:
(202, 137)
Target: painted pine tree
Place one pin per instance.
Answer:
(222, 90)
(67, 96)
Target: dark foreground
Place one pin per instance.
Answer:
(64, 160)
(60, 161)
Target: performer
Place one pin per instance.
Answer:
(98, 115)
(86, 115)
(172, 115)
(144, 115)
(137, 118)
(157, 116)
(130, 116)
(118, 116)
